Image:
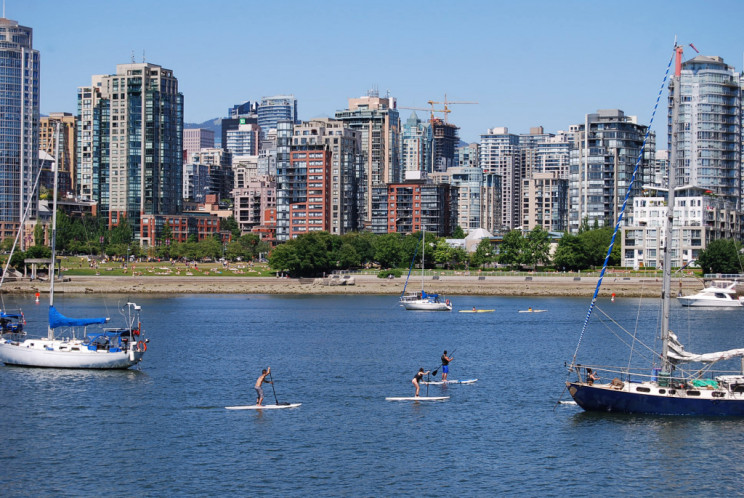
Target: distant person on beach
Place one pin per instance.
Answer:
(259, 390)
(445, 364)
(419, 375)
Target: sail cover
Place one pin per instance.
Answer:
(57, 319)
(677, 353)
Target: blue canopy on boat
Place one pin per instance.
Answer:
(57, 319)
(10, 315)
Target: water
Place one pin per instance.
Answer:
(164, 430)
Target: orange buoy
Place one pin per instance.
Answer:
(37, 298)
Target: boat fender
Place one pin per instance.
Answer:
(142, 346)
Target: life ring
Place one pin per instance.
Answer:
(142, 346)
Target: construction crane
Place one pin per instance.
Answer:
(432, 111)
(446, 104)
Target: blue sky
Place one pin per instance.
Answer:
(526, 63)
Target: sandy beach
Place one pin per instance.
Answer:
(363, 284)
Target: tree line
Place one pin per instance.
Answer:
(90, 235)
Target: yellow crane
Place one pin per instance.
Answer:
(446, 105)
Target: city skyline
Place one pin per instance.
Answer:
(528, 64)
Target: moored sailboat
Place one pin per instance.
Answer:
(668, 388)
(423, 301)
(68, 343)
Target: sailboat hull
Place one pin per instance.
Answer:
(600, 398)
(425, 305)
(47, 354)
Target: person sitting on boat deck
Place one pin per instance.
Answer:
(529, 309)
(591, 376)
(473, 310)
(419, 375)
(259, 390)
(445, 364)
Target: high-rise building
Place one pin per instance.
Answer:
(467, 155)
(344, 145)
(48, 143)
(271, 110)
(219, 171)
(709, 146)
(499, 153)
(19, 127)
(468, 182)
(603, 158)
(130, 143)
(196, 139)
(545, 202)
(378, 122)
(410, 206)
(284, 174)
(699, 218)
(446, 141)
(243, 141)
(415, 145)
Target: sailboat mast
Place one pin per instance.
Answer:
(423, 257)
(669, 229)
(50, 331)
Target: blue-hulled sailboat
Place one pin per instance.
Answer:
(668, 389)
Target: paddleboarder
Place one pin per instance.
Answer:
(445, 364)
(419, 375)
(259, 390)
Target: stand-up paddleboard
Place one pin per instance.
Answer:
(263, 407)
(477, 311)
(441, 382)
(532, 311)
(418, 398)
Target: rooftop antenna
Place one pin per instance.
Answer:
(143, 56)
(3, 9)
(132, 56)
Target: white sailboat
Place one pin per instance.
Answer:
(668, 388)
(422, 301)
(68, 343)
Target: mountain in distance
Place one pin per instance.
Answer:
(211, 124)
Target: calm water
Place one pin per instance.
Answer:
(164, 430)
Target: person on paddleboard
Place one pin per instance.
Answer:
(445, 365)
(259, 390)
(419, 375)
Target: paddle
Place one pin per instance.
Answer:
(434, 372)
(274, 390)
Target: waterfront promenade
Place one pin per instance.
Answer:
(506, 285)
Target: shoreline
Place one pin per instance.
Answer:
(559, 286)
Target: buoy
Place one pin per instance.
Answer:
(613, 297)
(37, 298)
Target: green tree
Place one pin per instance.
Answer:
(596, 242)
(122, 233)
(230, 224)
(483, 254)
(721, 256)
(458, 233)
(537, 247)
(348, 257)
(570, 254)
(388, 251)
(363, 243)
(511, 249)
